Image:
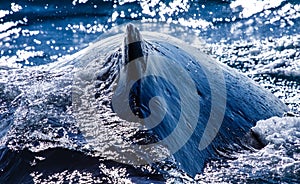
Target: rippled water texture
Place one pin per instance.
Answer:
(39, 141)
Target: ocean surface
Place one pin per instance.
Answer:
(39, 141)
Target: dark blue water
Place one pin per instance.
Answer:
(39, 143)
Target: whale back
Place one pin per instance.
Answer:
(184, 100)
(222, 94)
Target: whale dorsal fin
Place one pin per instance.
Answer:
(133, 44)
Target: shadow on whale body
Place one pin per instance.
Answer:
(224, 104)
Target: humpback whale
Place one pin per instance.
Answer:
(195, 107)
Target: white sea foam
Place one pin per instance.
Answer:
(278, 161)
(279, 131)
